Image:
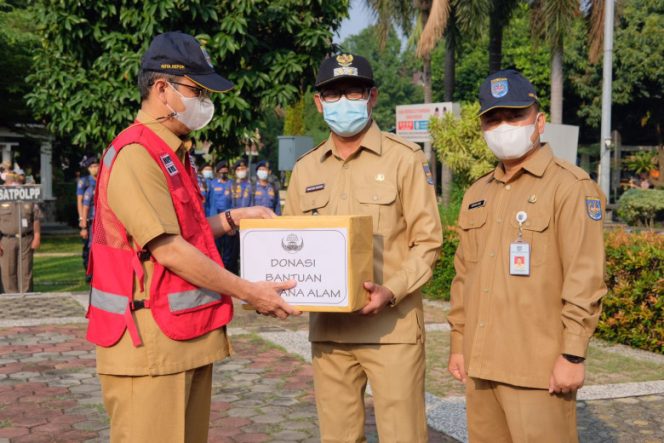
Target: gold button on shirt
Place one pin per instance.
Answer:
(387, 178)
(511, 328)
(138, 195)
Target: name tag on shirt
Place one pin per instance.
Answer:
(24, 222)
(520, 258)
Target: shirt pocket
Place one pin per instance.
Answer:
(378, 201)
(315, 203)
(537, 233)
(472, 222)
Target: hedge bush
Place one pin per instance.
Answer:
(641, 207)
(633, 310)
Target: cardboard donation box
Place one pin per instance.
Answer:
(329, 257)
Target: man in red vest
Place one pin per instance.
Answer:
(160, 296)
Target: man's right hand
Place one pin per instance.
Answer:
(265, 297)
(456, 367)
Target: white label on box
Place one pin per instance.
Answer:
(317, 259)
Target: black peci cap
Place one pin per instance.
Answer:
(344, 66)
(180, 54)
(506, 89)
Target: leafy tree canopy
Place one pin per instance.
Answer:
(84, 76)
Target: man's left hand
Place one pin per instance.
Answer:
(36, 243)
(379, 296)
(566, 376)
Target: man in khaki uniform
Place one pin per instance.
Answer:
(27, 231)
(529, 277)
(160, 391)
(360, 170)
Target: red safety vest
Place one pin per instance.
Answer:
(182, 310)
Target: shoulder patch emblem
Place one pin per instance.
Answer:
(594, 208)
(169, 165)
(427, 173)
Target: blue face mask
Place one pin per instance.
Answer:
(346, 117)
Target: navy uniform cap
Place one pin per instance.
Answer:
(180, 54)
(344, 66)
(506, 89)
(239, 163)
(262, 163)
(89, 161)
(221, 164)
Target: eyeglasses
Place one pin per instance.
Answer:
(334, 95)
(200, 92)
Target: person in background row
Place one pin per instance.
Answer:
(205, 176)
(88, 214)
(84, 183)
(241, 198)
(529, 277)
(221, 200)
(27, 232)
(264, 192)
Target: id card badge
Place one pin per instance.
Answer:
(24, 222)
(520, 250)
(520, 258)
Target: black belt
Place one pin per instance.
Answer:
(25, 234)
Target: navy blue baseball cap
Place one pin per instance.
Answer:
(506, 89)
(180, 54)
(263, 163)
(344, 66)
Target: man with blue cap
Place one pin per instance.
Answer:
(160, 297)
(529, 277)
(265, 193)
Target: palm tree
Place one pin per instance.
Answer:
(550, 20)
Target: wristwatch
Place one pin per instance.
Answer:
(573, 358)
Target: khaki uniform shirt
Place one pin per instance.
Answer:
(9, 222)
(512, 328)
(387, 178)
(138, 195)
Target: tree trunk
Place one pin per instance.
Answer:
(495, 42)
(450, 66)
(557, 84)
(426, 79)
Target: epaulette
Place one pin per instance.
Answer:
(402, 141)
(310, 150)
(577, 172)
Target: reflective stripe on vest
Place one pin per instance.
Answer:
(115, 304)
(179, 301)
(109, 156)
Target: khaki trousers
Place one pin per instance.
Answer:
(396, 375)
(499, 412)
(162, 409)
(9, 262)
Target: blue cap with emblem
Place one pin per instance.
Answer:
(506, 89)
(180, 54)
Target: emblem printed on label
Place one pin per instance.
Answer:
(315, 188)
(499, 87)
(169, 165)
(477, 204)
(427, 172)
(594, 208)
(292, 243)
(346, 70)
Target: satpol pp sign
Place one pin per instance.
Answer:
(24, 193)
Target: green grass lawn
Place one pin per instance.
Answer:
(59, 274)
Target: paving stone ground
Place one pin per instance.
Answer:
(49, 391)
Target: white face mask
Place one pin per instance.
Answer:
(242, 174)
(509, 142)
(262, 175)
(198, 111)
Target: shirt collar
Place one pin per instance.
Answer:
(372, 141)
(536, 164)
(173, 141)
